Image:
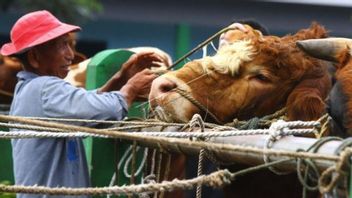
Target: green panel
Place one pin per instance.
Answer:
(104, 65)
(101, 67)
(182, 42)
(88, 146)
(6, 168)
(104, 160)
(350, 184)
(103, 154)
(6, 171)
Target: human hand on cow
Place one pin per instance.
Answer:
(138, 86)
(239, 32)
(135, 64)
(225, 37)
(138, 62)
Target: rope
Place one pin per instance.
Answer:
(199, 46)
(30, 127)
(225, 148)
(139, 169)
(140, 124)
(310, 167)
(247, 149)
(255, 122)
(324, 120)
(216, 179)
(189, 97)
(197, 121)
(35, 134)
(126, 164)
(147, 122)
(152, 122)
(342, 187)
(133, 164)
(166, 171)
(158, 170)
(278, 130)
(332, 175)
(151, 178)
(181, 134)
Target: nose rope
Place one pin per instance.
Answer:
(200, 46)
(190, 98)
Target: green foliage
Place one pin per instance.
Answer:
(6, 195)
(70, 11)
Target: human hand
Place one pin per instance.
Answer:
(227, 37)
(138, 62)
(138, 87)
(238, 26)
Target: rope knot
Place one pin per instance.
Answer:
(149, 179)
(277, 129)
(197, 121)
(220, 179)
(331, 176)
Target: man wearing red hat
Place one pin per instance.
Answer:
(42, 44)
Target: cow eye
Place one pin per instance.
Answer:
(262, 78)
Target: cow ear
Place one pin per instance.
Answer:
(330, 49)
(306, 101)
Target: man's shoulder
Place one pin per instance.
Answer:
(47, 80)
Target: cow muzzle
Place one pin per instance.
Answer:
(163, 96)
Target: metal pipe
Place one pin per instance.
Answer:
(285, 144)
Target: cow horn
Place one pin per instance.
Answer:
(326, 49)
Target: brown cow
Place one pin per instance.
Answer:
(337, 50)
(253, 76)
(249, 78)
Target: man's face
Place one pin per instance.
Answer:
(54, 57)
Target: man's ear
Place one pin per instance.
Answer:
(32, 58)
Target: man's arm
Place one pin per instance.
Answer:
(62, 100)
(135, 64)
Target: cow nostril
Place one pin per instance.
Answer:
(167, 86)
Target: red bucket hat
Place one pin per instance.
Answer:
(33, 29)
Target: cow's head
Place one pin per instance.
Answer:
(338, 51)
(253, 76)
